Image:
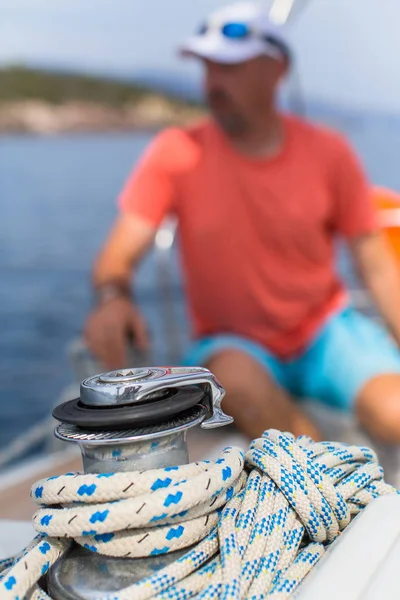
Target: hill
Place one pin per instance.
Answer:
(43, 101)
(22, 83)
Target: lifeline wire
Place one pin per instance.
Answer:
(260, 524)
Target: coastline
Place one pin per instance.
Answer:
(39, 117)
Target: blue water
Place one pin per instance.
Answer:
(57, 202)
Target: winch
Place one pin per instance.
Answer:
(130, 420)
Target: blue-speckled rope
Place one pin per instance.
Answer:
(260, 527)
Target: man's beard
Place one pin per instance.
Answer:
(233, 125)
(231, 121)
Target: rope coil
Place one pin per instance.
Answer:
(260, 522)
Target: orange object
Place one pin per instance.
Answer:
(387, 203)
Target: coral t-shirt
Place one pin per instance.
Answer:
(256, 235)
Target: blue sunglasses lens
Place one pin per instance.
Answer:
(235, 31)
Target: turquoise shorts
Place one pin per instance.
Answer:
(347, 352)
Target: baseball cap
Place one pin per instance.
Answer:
(237, 33)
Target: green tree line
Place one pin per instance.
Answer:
(21, 83)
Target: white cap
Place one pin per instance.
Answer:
(214, 45)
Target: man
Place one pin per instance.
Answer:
(260, 198)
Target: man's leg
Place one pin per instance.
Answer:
(353, 365)
(253, 399)
(378, 407)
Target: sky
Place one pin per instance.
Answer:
(348, 51)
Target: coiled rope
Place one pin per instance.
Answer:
(260, 522)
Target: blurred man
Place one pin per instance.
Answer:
(260, 198)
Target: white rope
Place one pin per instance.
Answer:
(259, 527)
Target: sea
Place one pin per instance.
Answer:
(58, 200)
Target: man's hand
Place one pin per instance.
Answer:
(116, 321)
(109, 329)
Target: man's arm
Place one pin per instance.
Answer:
(381, 274)
(356, 220)
(127, 242)
(146, 199)
(115, 317)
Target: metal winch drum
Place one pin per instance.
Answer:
(130, 420)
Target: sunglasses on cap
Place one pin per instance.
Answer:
(242, 31)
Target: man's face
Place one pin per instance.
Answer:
(237, 92)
